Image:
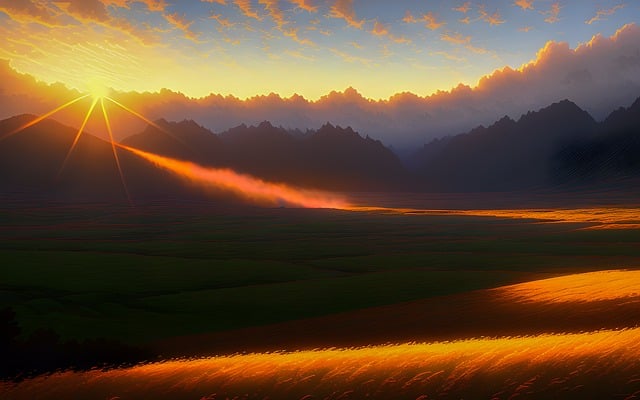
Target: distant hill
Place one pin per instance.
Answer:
(557, 145)
(31, 161)
(612, 153)
(332, 157)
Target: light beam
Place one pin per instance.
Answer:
(115, 151)
(245, 186)
(145, 119)
(47, 115)
(77, 138)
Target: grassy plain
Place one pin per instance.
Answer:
(143, 273)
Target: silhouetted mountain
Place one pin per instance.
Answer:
(508, 155)
(330, 158)
(556, 146)
(184, 140)
(31, 162)
(613, 153)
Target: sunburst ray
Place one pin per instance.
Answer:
(41, 118)
(78, 135)
(115, 151)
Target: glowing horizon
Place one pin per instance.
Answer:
(247, 187)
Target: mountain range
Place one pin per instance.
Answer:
(558, 146)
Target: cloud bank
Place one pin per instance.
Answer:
(599, 76)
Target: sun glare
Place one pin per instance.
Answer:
(98, 89)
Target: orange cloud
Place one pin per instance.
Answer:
(409, 18)
(604, 13)
(180, 22)
(274, 11)
(293, 34)
(221, 2)
(304, 5)
(351, 58)
(343, 9)
(154, 5)
(465, 41)
(86, 10)
(117, 3)
(524, 4)
(224, 22)
(463, 8)
(246, 9)
(491, 19)
(431, 21)
(30, 11)
(59, 14)
(552, 14)
(455, 39)
(380, 29)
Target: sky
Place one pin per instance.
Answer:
(246, 48)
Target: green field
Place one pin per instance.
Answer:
(152, 272)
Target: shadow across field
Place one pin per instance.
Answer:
(145, 274)
(483, 313)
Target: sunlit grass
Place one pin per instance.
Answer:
(600, 217)
(560, 366)
(587, 287)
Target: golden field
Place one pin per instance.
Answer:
(595, 364)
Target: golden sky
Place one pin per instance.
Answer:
(310, 47)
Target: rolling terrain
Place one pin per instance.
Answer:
(590, 364)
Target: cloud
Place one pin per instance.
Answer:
(180, 22)
(274, 11)
(464, 8)
(63, 13)
(154, 5)
(304, 5)
(524, 4)
(116, 3)
(293, 34)
(26, 11)
(221, 2)
(525, 29)
(224, 22)
(246, 9)
(351, 58)
(491, 19)
(599, 76)
(409, 18)
(431, 21)
(380, 29)
(343, 9)
(93, 10)
(604, 13)
(552, 15)
(299, 55)
(465, 41)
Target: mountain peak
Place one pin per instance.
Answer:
(265, 125)
(564, 113)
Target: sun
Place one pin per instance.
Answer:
(97, 89)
